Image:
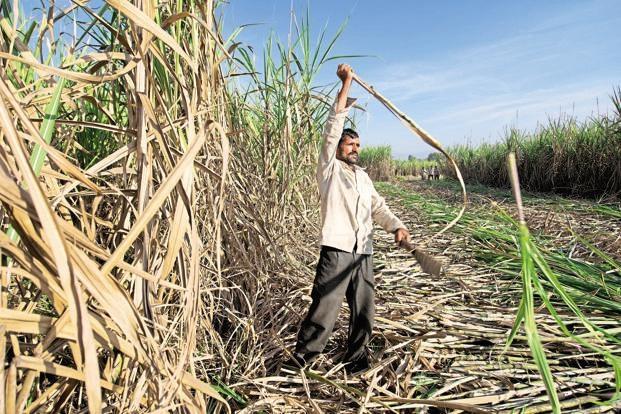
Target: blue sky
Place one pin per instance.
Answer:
(464, 70)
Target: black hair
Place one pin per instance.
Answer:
(348, 132)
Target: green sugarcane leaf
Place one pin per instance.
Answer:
(518, 320)
(612, 359)
(46, 131)
(607, 258)
(552, 279)
(530, 325)
(47, 127)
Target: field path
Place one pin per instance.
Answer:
(442, 338)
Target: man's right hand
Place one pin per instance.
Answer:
(401, 235)
(345, 72)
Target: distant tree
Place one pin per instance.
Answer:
(411, 157)
(434, 156)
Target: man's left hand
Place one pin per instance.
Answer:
(401, 234)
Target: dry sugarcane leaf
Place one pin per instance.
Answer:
(141, 19)
(41, 365)
(53, 154)
(71, 75)
(176, 17)
(61, 260)
(162, 193)
(178, 230)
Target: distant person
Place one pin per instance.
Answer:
(423, 174)
(349, 203)
(436, 172)
(430, 173)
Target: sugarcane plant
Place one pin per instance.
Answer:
(535, 267)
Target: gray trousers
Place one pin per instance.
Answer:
(339, 274)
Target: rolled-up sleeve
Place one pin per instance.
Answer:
(382, 214)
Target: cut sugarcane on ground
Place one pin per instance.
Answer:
(442, 338)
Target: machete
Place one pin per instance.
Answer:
(428, 263)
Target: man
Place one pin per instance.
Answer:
(348, 204)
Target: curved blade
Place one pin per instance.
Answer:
(428, 263)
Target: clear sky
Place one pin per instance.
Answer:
(464, 70)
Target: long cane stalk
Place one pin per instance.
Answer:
(526, 310)
(425, 136)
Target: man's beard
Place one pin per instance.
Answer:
(352, 159)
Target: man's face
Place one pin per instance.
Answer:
(348, 150)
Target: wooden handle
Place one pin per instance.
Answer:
(407, 245)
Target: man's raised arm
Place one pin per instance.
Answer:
(334, 125)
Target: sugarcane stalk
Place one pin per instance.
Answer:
(425, 136)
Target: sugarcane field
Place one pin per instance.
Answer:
(310, 206)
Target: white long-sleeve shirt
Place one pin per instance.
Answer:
(349, 201)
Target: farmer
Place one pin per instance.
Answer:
(436, 172)
(348, 203)
(423, 174)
